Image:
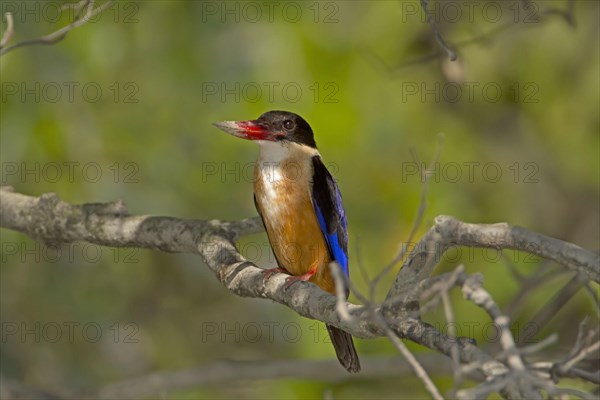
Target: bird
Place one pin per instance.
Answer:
(301, 208)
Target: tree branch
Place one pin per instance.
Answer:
(86, 13)
(436, 32)
(449, 232)
(51, 220)
(228, 372)
(10, 29)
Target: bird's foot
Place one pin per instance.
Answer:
(267, 273)
(290, 280)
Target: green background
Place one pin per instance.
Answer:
(122, 109)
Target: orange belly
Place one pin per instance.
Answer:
(293, 229)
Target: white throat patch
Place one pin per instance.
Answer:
(285, 161)
(273, 151)
(271, 160)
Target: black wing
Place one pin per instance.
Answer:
(327, 201)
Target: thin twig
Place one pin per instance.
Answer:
(485, 38)
(451, 321)
(421, 211)
(417, 367)
(341, 288)
(436, 33)
(10, 29)
(552, 307)
(473, 290)
(593, 295)
(61, 33)
(529, 284)
(359, 262)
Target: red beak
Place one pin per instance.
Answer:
(251, 130)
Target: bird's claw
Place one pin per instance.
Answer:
(290, 280)
(270, 272)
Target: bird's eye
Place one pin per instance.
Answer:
(288, 124)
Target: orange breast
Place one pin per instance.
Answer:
(292, 226)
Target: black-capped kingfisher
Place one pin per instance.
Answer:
(300, 206)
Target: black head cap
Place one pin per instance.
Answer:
(289, 126)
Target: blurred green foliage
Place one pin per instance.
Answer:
(128, 100)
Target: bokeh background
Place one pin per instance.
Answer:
(122, 109)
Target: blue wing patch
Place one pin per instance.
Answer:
(327, 201)
(338, 254)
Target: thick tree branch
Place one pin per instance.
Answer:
(51, 220)
(449, 232)
(48, 219)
